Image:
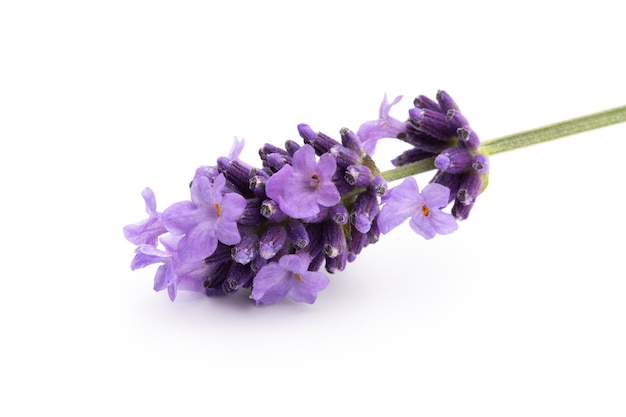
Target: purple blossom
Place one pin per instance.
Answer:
(172, 274)
(211, 215)
(146, 231)
(405, 201)
(383, 127)
(288, 277)
(301, 188)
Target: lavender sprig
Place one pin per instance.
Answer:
(270, 229)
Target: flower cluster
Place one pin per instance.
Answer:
(317, 204)
(438, 129)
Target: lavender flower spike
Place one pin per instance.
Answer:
(301, 188)
(383, 127)
(288, 277)
(209, 216)
(424, 209)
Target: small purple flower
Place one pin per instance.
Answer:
(211, 215)
(288, 277)
(383, 127)
(172, 274)
(146, 231)
(405, 201)
(301, 188)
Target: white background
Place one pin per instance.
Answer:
(520, 312)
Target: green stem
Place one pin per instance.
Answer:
(523, 139)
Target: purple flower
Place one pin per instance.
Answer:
(211, 215)
(424, 209)
(172, 274)
(383, 127)
(146, 231)
(301, 188)
(288, 277)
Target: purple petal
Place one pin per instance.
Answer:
(294, 263)
(198, 244)
(326, 166)
(401, 203)
(422, 226)
(228, 233)
(270, 284)
(436, 195)
(149, 198)
(171, 291)
(384, 127)
(144, 232)
(161, 278)
(182, 217)
(275, 185)
(202, 190)
(235, 150)
(304, 159)
(141, 260)
(305, 288)
(233, 206)
(300, 205)
(328, 195)
(443, 223)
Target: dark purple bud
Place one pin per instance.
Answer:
(221, 254)
(339, 214)
(216, 277)
(337, 263)
(468, 138)
(238, 276)
(272, 241)
(271, 211)
(291, 147)
(320, 142)
(238, 173)
(445, 102)
(342, 185)
(246, 250)
(334, 239)
(316, 239)
(276, 161)
(374, 233)
(364, 212)
(257, 184)
(358, 175)
(344, 156)
(424, 141)
(461, 211)
(268, 148)
(411, 155)
(454, 160)
(378, 185)
(257, 264)
(317, 262)
(357, 241)
(350, 140)
(469, 189)
(251, 215)
(424, 102)
(456, 120)
(480, 163)
(432, 123)
(296, 232)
